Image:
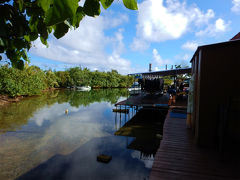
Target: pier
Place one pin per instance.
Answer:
(203, 140)
(179, 157)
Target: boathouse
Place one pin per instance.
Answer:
(216, 100)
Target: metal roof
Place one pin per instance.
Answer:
(172, 72)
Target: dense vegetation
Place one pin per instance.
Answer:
(32, 80)
(23, 21)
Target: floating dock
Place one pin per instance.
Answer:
(146, 100)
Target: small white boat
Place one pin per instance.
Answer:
(135, 89)
(83, 88)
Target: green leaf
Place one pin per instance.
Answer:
(130, 4)
(18, 64)
(33, 23)
(1, 42)
(60, 30)
(60, 11)
(42, 29)
(1, 49)
(49, 29)
(45, 4)
(20, 4)
(27, 38)
(15, 56)
(25, 56)
(18, 43)
(3, 28)
(33, 36)
(67, 23)
(3, 1)
(77, 17)
(106, 3)
(44, 41)
(92, 8)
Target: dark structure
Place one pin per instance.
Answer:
(216, 100)
(151, 85)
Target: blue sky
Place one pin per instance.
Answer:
(161, 32)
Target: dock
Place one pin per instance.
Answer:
(179, 157)
(146, 100)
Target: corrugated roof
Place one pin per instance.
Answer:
(166, 72)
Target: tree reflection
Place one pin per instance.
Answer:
(17, 114)
(78, 98)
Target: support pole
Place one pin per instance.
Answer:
(115, 120)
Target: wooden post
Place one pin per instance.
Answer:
(120, 113)
(116, 120)
(129, 113)
(132, 111)
(125, 114)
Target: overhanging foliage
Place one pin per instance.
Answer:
(23, 21)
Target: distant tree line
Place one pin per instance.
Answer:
(32, 80)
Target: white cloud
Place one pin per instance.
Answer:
(186, 57)
(86, 45)
(139, 44)
(192, 46)
(159, 22)
(111, 21)
(158, 61)
(117, 40)
(236, 6)
(183, 59)
(219, 26)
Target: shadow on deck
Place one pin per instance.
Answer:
(179, 158)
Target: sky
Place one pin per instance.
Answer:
(161, 32)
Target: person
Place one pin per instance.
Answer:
(172, 90)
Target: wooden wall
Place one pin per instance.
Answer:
(217, 83)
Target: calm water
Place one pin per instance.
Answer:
(39, 141)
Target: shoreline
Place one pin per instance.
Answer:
(6, 100)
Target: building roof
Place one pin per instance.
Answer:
(221, 44)
(171, 72)
(237, 36)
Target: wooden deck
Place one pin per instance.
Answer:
(147, 100)
(179, 158)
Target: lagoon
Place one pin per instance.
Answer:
(39, 140)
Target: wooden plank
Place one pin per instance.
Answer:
(179, 158)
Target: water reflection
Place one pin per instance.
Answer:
(81, 164)
(146, 127)
(39, 141)
(17, 114)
